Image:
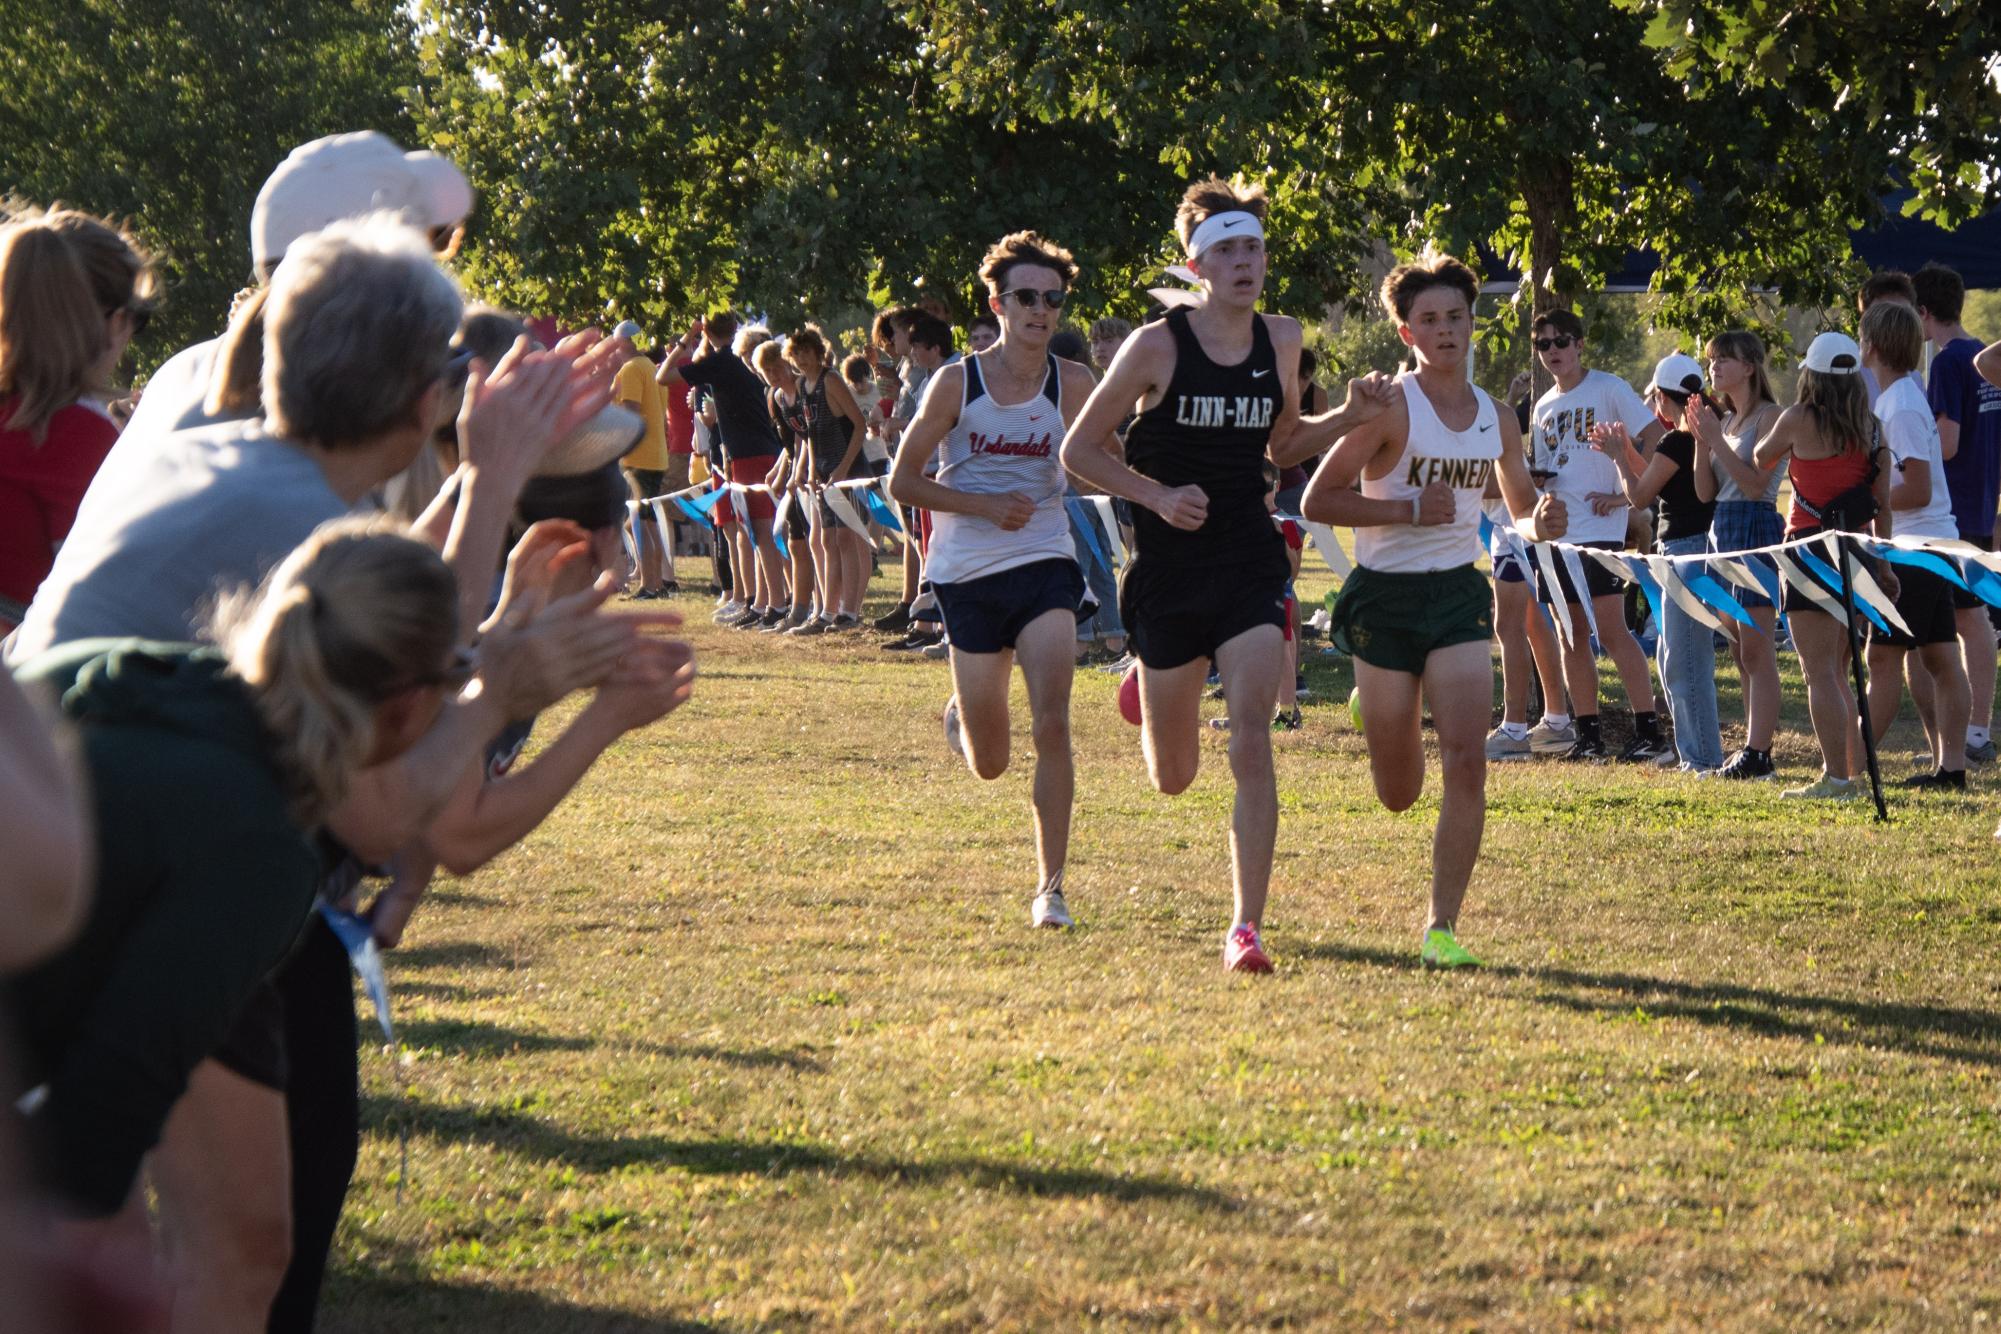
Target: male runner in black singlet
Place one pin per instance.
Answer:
(1217, 393)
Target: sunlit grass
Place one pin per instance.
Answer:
(753, 1034)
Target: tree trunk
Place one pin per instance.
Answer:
(1547, 193)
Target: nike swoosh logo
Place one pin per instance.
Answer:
(1035, 419)
(1231, 225)
(1488, 427)
(1258, 374)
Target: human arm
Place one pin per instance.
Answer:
(1988, 362)
(1704, 472)
(511, 416)
(1372, 448)
(680, 355)
(1884, 523)
(1640, 477)
(45, 827)
(1749, 477)
(485, 816)
(909, 486)
(1285, 337)
(527, 662)
(1538, 515)
(842, 401)
(1091, 452)
(1367, 398)
(1911, 488)
(1776, 444)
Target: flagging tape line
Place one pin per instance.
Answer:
(1691, 581)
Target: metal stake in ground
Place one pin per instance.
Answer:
(1861, 687)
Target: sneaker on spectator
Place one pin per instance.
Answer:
(1748, 764)
(896, 619)
(1645, 750)
(1982, 753)
(1120, 666)
(1547, 740)
(1587, 751)
(1287, 720)
(729, 611)
(1501, 746)
(1825, 788)
(813, 625)
(749, 618)
(937, 649)
(911, 642)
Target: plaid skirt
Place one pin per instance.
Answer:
(1740, 525)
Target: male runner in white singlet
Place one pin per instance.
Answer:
(1001, 560)
(1416, 616)
(1217, 393)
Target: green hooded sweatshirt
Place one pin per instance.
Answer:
(203, 883)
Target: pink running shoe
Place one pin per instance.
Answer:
(1242, 953)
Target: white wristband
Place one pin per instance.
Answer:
(1413, 511)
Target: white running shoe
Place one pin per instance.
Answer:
(1501, 746)
(1547, 740)
(1050, 910)
(729, 611)
(953, 737)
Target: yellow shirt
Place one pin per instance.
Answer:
(636, 388)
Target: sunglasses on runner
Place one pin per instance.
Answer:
(1560, 340)
(1028, 298)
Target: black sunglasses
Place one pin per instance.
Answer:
(1028, 298)
(1561, 340)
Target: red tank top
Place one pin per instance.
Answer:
(1818, 481)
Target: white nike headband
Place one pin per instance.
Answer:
(1224, 227)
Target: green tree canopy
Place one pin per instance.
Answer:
(171, 114)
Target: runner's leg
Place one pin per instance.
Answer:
(1043, 649)
(1457, 684)
(980, 680)
(1170, 705)
(1250, 665)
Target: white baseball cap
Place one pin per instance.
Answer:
(1678, 373)
(1833, 353)
(346, 176)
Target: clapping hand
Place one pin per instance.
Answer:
(532, 566)
(652, 680)
(514, 411)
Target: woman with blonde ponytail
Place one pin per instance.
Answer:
(209, 769)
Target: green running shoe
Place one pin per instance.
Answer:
(1443, 950)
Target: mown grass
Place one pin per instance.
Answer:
(752, 1034)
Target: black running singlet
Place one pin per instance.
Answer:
(828, 431)
(1210, 430)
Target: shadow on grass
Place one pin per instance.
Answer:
(757, 1059)
(404, 1303)
(1944, 1032)
(514, 1131)
(470, 1037)
(464, 954)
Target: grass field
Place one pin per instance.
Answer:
(752, 1034)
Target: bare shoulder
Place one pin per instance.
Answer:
(1284, 330)
(1076, 376)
